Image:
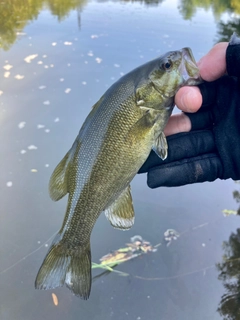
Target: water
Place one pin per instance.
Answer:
(57, 59)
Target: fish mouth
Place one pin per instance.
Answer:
(189, 69)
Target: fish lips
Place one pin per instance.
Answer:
(189, 69)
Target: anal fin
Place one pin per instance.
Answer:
(121, 212)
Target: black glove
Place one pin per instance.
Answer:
(212, 149)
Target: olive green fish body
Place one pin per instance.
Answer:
(112, 152)
(113, 143)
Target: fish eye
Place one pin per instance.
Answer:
(167, 65)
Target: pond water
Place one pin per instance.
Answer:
(56, 59)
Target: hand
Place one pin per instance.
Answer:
(212, 148)
(189, 99)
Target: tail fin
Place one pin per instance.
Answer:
(66, 266)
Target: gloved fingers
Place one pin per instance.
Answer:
(208, 91)
(203, 119)
(210, 110)
(200, 120)
(181, 146)
(198, 169)
(232, 56)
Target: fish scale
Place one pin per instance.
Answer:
(89, 199)
(113, 143)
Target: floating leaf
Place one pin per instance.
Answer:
(55, 299)
(6, 74)
(170, 235)
(18, 77)
(228, 212)
(21, 125)
(40, 126)
(7, 67)
(29, 59)
(98, 60)
(32, 147)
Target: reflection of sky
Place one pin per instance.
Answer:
(45, 110)
(226, 17)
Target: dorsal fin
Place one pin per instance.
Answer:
(58, 184)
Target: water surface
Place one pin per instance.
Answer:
(57, 58)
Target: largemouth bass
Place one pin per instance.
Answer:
(113, 143)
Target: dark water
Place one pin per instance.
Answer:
(77, 50)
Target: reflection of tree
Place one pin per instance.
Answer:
(61, 8)
(225, 30)
(15, 14)
(229, 269)
(147, 2)
(189, 7)
(236, 6)
(236, 196)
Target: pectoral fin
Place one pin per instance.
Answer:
(161, 147)
(121, 212)
(58, 184)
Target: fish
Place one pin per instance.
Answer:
(113, 143)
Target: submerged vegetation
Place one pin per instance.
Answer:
(134, 249)
(137, 247)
